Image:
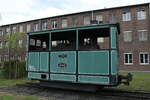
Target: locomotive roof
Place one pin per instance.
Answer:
(76, 28)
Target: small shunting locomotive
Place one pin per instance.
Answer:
(82, 57)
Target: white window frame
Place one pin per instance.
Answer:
(36, 27)
(28, 27)
(86, 20)
(142, 31)
(8, 30)
(1, 44)
(140, 58)
(141, 15)
(99, 18)
(44, 25)
(125, 32)
(126, 16)
(20, 42)
(1, 32)
(21, 28)
(54, 24)
(64, 23)
(128, 59)
(14, 29)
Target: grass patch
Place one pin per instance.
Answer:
(141, 81)
(7, 96)
(10, 82)
(6, 82)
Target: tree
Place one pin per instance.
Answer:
(14, 48)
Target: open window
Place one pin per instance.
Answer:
(39, 42)
(63, 41)
(94, 39)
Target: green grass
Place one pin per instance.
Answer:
(141, 81)
(7, 96)
(10, 82)
(6, 82)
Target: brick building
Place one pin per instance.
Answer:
(134, 38)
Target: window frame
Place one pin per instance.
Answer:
(128, 59)
(44, 25)
(140, 16)
(142, 31)
(85, 22)
(64, 23)
(144, 58)
(124, 36)
(55, 24)
(126, 16)
(36, 27)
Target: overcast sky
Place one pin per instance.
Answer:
(13, 11)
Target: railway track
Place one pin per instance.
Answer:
(104, 94)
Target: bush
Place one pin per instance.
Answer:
(14, 69)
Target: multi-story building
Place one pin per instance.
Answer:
(134, 39)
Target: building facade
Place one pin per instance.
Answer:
(134, 37)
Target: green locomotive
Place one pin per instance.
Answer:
(73, 57)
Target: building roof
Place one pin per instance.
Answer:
(104, 9)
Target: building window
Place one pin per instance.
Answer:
(36, 27)
(6, 57)
(87, 20)
(128, 58)
(127, 36)
(141, 15)
(74, 21)
(14, 29)
(21, 28)
(19, 58)
(143, 35)
(5, 43)
(44, 26)
(20, 42)
(1, 32)
(0, 59)
(64, 23)
(144, 58)
(28, 28)
(1, 44)
(8, 30)
(126, 16)
(54, 24)
(112, 18)
(99, 18)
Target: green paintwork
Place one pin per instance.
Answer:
(70, 29)
(114, 62)
(89, 62)
(113, 37)
(33, 61)
(70, 61)
(37, 75)
(93, 62)
(39, 32)
(44, 64)
(94, 79)
(61, 77)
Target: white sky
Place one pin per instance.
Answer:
(13, 11)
